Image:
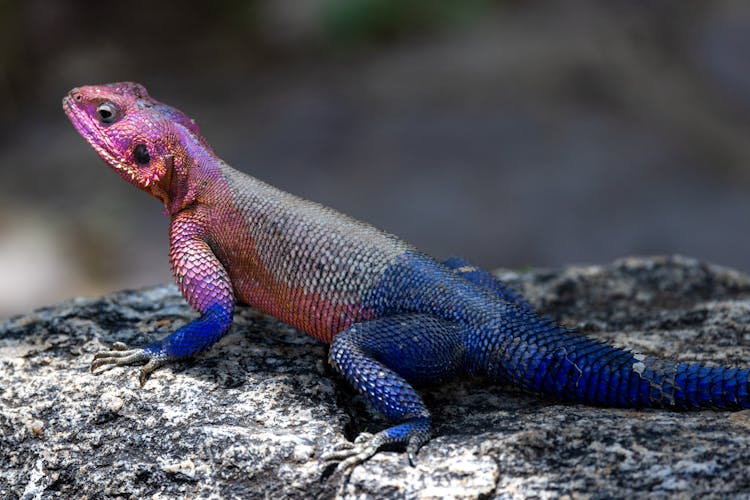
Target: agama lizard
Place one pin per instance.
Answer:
(393, 316)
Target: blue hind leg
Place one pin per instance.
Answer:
(482, 278)
(380, 359)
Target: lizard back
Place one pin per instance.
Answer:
(300, 261)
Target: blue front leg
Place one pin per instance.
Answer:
(183, 343)
(206, 286)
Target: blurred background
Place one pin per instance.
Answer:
(514, 133)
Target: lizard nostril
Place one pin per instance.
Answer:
(77, 97)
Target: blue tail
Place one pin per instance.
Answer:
(525, 349)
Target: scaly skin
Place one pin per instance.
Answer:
(393, 316)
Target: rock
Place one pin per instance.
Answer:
(250, 417)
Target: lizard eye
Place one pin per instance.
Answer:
(106, 113)
(140, 154)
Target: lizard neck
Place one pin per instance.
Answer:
(193, 171)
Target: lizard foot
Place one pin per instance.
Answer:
(413, 433)
(120, 355)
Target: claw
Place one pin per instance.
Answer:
(353, 454)
(411, 451)
(118, 350)
(154, 362)
(363, 437)
(120, 355)
(344, 445)
(412, 433)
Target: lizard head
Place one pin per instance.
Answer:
(143, 140)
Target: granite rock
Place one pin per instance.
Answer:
(250, 417)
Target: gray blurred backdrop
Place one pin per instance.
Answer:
(515, 133)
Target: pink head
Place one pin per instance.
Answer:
(143, 140)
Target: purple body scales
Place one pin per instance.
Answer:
(301, 262)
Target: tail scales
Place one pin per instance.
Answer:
(539, 355)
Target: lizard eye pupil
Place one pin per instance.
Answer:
(140, 154)
(106, 113)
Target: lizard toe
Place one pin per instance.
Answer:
(119, 355)
(412, 433)
(154, 362)
(353, 454)
(363, 437)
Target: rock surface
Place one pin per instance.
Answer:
(249, 417)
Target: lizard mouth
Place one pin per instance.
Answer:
(95, 137)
